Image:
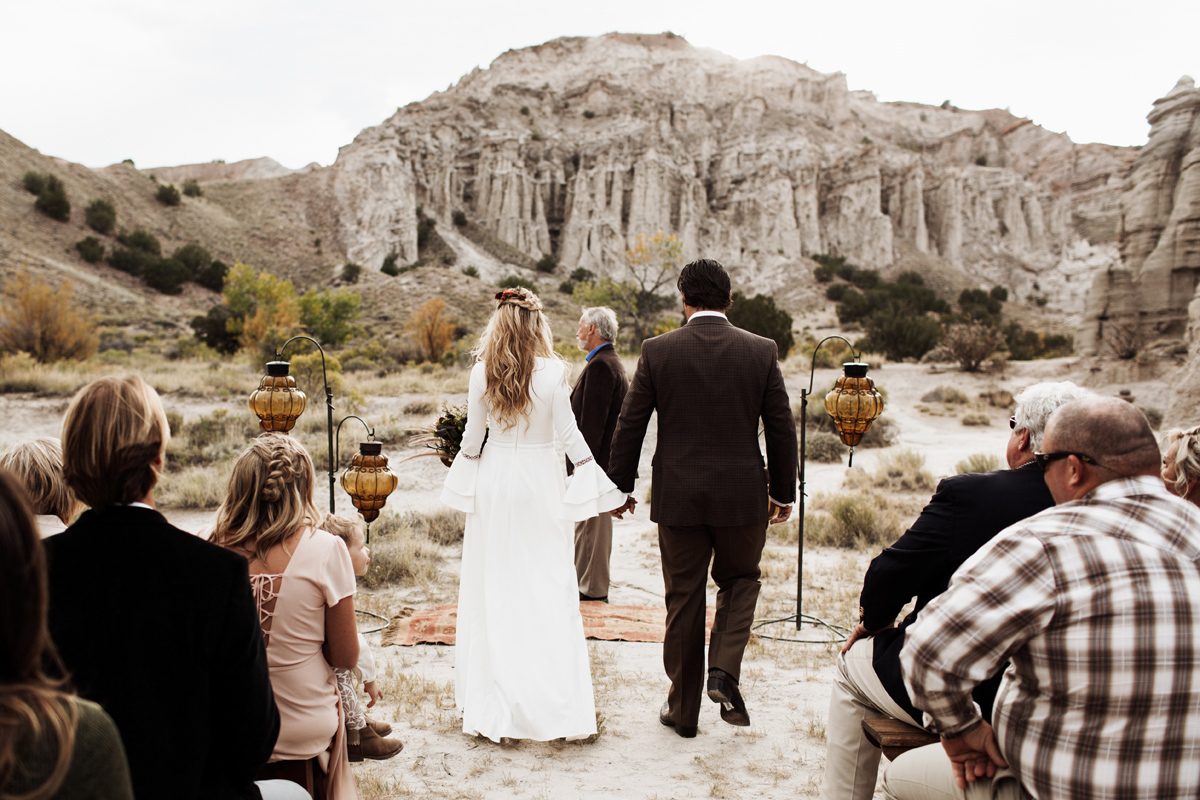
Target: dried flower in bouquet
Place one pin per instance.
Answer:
(444, 438)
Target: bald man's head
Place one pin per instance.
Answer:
(1111, 431)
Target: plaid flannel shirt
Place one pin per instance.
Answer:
(1097, 604)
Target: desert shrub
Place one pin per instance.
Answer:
(883, 433)
(400, 555)
(971, 343)
(1025, 345)
(211, 438)
(513, 281)
(420, 408)
(128, 260)
(999, 293)
(329, 316)
(832, 354)
(981, 161)
(90, 249)
(824, 448)
(212, 329)
(837, 291)
(566, 287)
(311, 371)
(904, 471)
(45, 322)
(52, 200)
(944, 394)
(390, 268)
(976, 420)
(432, 329)
(760, 315)
(589, 114)
(443, 527)
(980, 306)
(191, 187)
(195, 487)
(547, 263)
(168, 195)
(213, 276)
(899, 332)
(581, 275)
(351, 272)
(34, 182)
(141, 240)
(470, 271)
(101, 216)
(166, 275)
(979, 462)
(460, 218)
(853, 519)
(194, 257)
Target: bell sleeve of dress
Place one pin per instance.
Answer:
(459, 490)
(589, 493)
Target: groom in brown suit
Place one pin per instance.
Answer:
(711, 383)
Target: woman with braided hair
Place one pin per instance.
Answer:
(1181, 463)
(521, 663)
(303, 583)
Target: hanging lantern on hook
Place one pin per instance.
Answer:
(368, 481)
(854, 404)
(277, 402)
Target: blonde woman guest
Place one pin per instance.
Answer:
(521, 664)
(304, 585)
(145, 614)
(52, 744)
(365, 736)
(38, 465)
(1181, 463)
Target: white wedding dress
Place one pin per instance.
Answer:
(521, 662)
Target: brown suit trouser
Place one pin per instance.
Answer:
(686, 551)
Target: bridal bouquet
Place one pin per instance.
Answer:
(444, 438)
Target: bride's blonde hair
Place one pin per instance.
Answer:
(270, 496)
(515, 336)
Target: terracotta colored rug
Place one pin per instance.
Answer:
(600, 621)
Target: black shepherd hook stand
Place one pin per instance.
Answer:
(328, 412)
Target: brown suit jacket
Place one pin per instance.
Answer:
(596, 400)
(710, 383)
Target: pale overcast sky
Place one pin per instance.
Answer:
(179, 82)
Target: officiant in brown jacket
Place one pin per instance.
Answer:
(596, 401)
(710, 383)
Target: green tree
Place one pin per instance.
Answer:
(265, 310)
(213, 329)
(760, 315)
(329, 316)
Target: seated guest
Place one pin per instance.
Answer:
(38, 465)
(51, 744)
(304, 586)
(1095, 603)
(1181, 463)
(154, 624)
(964, 513)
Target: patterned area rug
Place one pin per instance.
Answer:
(600, 621)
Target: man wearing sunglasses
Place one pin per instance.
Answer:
(1096, 603)
(964, 513)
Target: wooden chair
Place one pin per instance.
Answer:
(894, 737)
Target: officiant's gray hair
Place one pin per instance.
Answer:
(605, 320)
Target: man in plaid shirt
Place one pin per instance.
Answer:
(1097, 604)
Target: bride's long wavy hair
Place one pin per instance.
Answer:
(515, 336)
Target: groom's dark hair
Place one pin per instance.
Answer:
(705, 284)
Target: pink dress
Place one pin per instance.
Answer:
(291, 610)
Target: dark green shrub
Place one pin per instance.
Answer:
(351, 272)
(980, 306)
(90, 249)
(191, 187)
(168, 195)
(128, 259)
(425, 226)
(141, 240)
(567, 287)
(864, 278)
(101, 216)
(194, 257)
(52, 200)
(547, 263)
(525, 111)
(460, 218)
(213, 276)
(898, 333)
(212, 329)
(581, 275)
(470, 271)
(1025, 345)
(513, 281)
(760, 315)
(999, 293)
(166, 275)
(981, 161)
(589, 114)
(837, 291)
(34, 182)
(824, 448)
(389, 264)
(824, 274)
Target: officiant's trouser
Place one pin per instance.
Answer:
(593, 546)
(686, 552)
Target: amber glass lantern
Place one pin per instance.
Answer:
(854, 404)
(368, 481)
(277, 402)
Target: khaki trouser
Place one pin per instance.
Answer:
(593, 545)
(926, 774)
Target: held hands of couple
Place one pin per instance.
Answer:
(628, 506)
(974, 755)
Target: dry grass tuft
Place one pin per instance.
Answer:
(979, 462)
(401, 554)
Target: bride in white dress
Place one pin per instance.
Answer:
(521, 662)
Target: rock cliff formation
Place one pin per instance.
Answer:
(573, 147)
(1145, 299)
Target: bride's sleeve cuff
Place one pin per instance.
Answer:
(459, 490)
(589, 494)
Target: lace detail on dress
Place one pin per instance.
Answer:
(586, 460)
(473, 458)
(266, 591)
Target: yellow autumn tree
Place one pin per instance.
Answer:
(265, 309)
(653, 264)
(432, 329)
(45, 322)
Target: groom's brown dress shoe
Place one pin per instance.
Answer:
(723, 689)
(664, 716)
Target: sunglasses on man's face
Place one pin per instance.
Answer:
(1044, 460)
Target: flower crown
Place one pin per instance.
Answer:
(519, 296)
